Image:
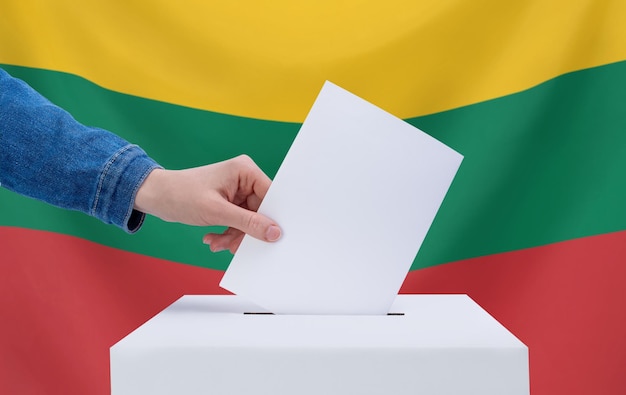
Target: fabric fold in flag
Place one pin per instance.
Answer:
(532, 93)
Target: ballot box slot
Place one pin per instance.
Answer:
(266, 313)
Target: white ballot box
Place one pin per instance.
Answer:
(223, 345)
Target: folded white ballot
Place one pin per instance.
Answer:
(355, 196)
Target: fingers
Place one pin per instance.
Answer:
(240, 222)
(229, 240)
(258, 182)
(246, 186)
(256, 225)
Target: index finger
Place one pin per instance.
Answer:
(255, 185)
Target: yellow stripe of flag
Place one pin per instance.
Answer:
(268, 59)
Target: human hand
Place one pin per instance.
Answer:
(226, 193)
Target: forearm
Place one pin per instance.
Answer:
(47, 155)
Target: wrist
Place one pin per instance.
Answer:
(148, 195)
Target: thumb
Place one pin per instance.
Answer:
(250, 222)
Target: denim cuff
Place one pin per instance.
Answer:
(119, 181)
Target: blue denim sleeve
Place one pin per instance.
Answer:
(47, 155)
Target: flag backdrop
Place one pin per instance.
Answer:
(532, 93)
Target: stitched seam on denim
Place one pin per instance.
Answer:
(104, 174)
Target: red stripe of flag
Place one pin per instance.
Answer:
(65, 301)
(565, 301)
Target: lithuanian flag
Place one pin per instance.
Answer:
(532, 93)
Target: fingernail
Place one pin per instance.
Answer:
(273, 233)
(215, 248)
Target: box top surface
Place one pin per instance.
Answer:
(218, 321)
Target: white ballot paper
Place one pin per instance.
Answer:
(354, 197)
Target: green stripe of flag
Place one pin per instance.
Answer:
(541, 166)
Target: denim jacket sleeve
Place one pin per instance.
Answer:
(47, 155)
